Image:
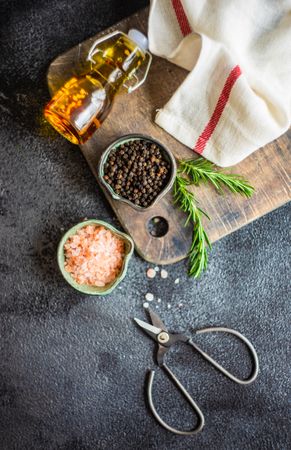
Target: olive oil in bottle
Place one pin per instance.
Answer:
(78, 109)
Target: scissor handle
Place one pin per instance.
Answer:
(225, 372)
(188, 397)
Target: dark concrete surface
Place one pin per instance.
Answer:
(72, 367)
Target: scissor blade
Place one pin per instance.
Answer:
(156, 320)
(149, 329)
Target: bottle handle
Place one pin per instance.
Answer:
(94, 49)
(139, 82)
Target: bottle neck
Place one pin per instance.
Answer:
(109, 74)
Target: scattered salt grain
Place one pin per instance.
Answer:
(146, 305)
(177, 281)
(159, 300)
(164, 273)
(149, 297)
(151, 273)
(157, 269)
(169, 306)
(180, 305)
(157, 306)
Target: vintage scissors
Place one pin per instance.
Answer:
(165, 340)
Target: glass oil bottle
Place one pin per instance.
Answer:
(78, 109)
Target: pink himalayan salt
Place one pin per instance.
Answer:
(94, 256)
(151, 273)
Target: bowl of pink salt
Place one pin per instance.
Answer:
(93, 256)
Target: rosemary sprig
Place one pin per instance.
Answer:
(196, 171)
(198, 256)
(202, 170)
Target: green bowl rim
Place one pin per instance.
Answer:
(120, 141)
(85, 289)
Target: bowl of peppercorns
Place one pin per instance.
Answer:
(137, 170)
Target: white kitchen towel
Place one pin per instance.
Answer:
(237, 96)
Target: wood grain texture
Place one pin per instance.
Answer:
(268, 169)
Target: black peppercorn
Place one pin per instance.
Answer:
(137, 171)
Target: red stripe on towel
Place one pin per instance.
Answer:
(182, 18)
(220, 105)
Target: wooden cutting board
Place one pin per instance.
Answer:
(267, 169)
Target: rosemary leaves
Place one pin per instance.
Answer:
(194, 172)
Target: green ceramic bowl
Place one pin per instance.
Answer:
(94, 290)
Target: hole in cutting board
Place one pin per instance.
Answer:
(158, 226)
